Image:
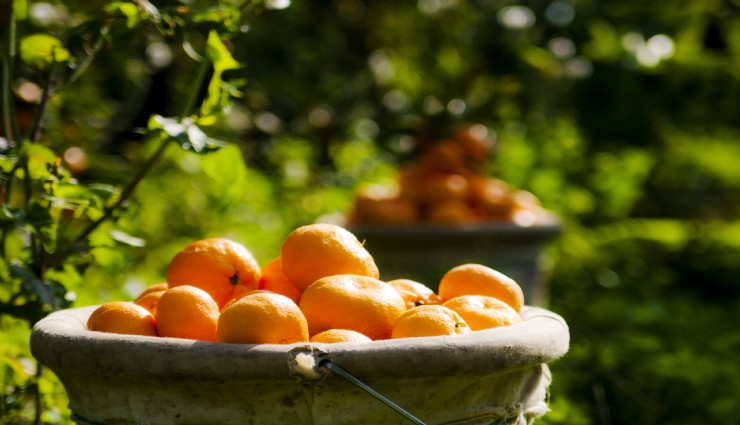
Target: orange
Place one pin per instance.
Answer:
(149, 300)
(262, 318)
(339, 335)
(244, 294)
(481, 312)
(476, 140)
(429, 320)
(154, 288)
(493, 195)
(187, 312)
(527, 209)
(444, 156)
(477, 279)
(450, 212)
(122, 317)
(317, 250)
(273, 279)
(359, 303)
(218, 266)
(443, 187)
(385, 211)
(414, 293)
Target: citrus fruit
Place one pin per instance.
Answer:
(218, 266)
(122, 317)
(149, 300)
(494, 196)
(429, 320)
(244, 294)
(359, 303)
(443, 156)
(414, 293)
(385, 211)
(262, 318)
(527, 209)
(339, 335)
(317, 250)
(476, 140)
(439, 187)
(187, 312)
(481, 312)
(162, 286)
(450, 212)
(477, 279)
(273, 279)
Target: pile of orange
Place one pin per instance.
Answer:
(445, 186)
(323, 287)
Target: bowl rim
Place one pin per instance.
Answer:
(62, 342)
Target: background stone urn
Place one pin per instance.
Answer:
(425, 252)
(477, 378)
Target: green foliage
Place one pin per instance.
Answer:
(620, 116)
(60, 236)
(41, 50)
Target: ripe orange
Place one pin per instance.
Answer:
(244, 294)
(438, 187)
(273, 279)
(481, 312)
(218, 266)
(359, 303)
(385, 211)
(154, 288)
(122, 317)
(429, 320)
(262, 318)
(527, 209)
(443, 156)
(477, 141)
(414, 293)
(494, 196)
(149, 300)
(187, 312)
(339, 335)
(317, 250)
(477, 279)
(450, 212)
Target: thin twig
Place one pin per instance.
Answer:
(41, 110)
(147, 166)
(37, 395)
(9, 53)
(87, 60)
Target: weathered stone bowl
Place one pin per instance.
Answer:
(426, 252)
(477, 378)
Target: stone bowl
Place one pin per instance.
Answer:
(426, 252)
(476, 378)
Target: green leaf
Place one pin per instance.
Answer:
(218, 91)
(39, 158)
(226, 167)
(80, 199)
(186, 133)
(7, 163)
(43, 225)
(42, 50)
(127, 239)
(218, 54)
(32, 285)
(129, 10)
(225, 15)
(20, 8)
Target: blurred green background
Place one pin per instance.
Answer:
(623, 117)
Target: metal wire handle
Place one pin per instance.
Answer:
(334, 368)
